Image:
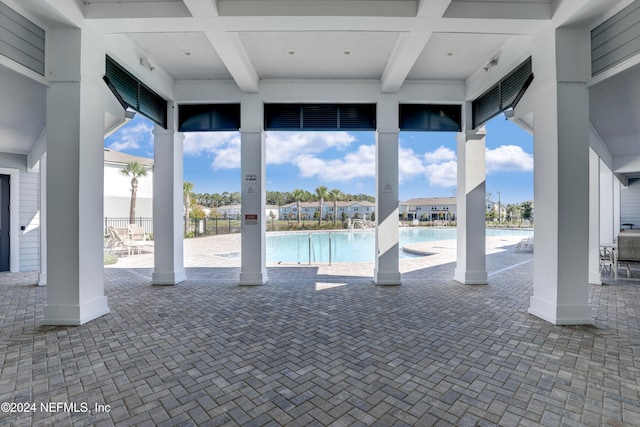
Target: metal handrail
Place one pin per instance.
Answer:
(311, 248)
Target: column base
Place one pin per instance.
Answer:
(387, 278)
(169, 278)
(253, 279)
(75, 315)
(42, 279)
(561, 314)
(471, 277)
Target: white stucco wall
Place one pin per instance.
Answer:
(117, 193)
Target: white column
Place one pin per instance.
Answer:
(74, 173)
(42, 280)
(594, 218)
(167, 204)
(561, 182)
(253, 270)
(608, 228)
(471, 266)
(387, 269)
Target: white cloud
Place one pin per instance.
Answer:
(410, 164)
(197, 143)
(307, 151)
(442, 174)
(354, 165)
(441, 154)
(508, 158)
(284, 147)
(228, 155)
(132, 138)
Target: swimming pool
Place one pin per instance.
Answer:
(354, 246)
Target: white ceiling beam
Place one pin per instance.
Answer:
(500, 10)
(317, 8)
(202, 7)
(154, 9)
(55, 13)
(38, 150)
(432, 8)
(406, 51)
(319, 23)
(235, 58)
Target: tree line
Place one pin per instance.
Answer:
(279, 198)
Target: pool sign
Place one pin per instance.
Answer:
(250, 219)
(251, 180)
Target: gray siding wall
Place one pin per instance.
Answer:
(616, 39)
(21, 40)
(630, 204)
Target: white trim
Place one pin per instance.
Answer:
(14, 229)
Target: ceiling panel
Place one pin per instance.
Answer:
(319, 54)
(456, 56)
(614, 110)
(171, 52)
(23, 114)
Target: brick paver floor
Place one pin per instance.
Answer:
(321, 345)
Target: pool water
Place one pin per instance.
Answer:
(354, 246)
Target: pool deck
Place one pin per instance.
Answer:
(209, 252)
(322, 346)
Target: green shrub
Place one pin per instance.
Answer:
(110, 258)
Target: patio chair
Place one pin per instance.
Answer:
(607, 258)
(525, 244)
(138, 235)
(137, 232)
(120, 240)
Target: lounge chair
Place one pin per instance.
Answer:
(119, 239)
(137, 233)
(525, 244)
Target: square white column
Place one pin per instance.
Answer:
(74, 173)
(561, 180)
(167, 205)
(253, 270)
(387, 245)
(42, 280)
(471, 266)
(594, 219)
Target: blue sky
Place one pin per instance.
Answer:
(346, 160)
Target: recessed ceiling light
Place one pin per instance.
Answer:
(186, 52)
(347, 52)
(451, 52)
(291, 52)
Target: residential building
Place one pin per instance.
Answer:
(429, 209)
(351, 209)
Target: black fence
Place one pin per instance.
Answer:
(146, 223)
(198, 227)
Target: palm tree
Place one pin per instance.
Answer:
(187, 188)
(335, 195)
(134, 170)
(321, 192)
(297, 195)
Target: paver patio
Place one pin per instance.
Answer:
(322, 345)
